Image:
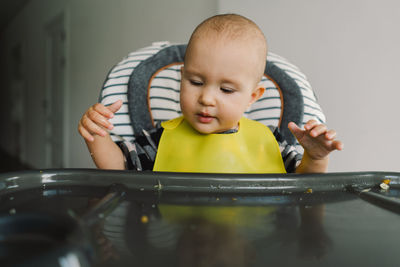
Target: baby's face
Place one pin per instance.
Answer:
(219, 83)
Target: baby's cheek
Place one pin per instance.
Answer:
(184, 106)
(233, 117)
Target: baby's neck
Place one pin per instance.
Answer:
(229, 131)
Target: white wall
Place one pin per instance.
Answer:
(99, 34)
(350, 52)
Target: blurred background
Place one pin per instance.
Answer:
(55, 55)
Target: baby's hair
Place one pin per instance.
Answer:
(231, 27)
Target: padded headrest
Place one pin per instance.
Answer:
(148, 82)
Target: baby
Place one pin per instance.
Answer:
(223, 66)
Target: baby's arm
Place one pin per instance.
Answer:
(317, 142)
(105, 153)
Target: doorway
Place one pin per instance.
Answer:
(17, 127)
(55, 93)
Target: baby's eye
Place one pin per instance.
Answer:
(196, 83)
(227, 90)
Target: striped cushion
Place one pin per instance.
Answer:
(164, 93)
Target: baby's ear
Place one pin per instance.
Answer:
(257, 93)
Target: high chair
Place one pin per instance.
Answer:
(148, 83)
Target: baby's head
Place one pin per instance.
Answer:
(224, 63)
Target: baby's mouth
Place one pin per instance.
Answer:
(204, 117)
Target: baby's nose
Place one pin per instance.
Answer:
(207, 97)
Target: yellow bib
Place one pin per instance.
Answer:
(253, 149)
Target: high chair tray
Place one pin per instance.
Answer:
(90, 217)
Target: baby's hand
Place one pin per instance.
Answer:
(316, 139)
(95, 120)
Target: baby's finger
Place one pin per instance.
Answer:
(103, 110)
(338, 145)
(92, 127)
(114, 107)
(330, 135)
(293, 126)
(295, 129)
(84, 133)
(317, 130)
(310, 124)
(99, 119)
